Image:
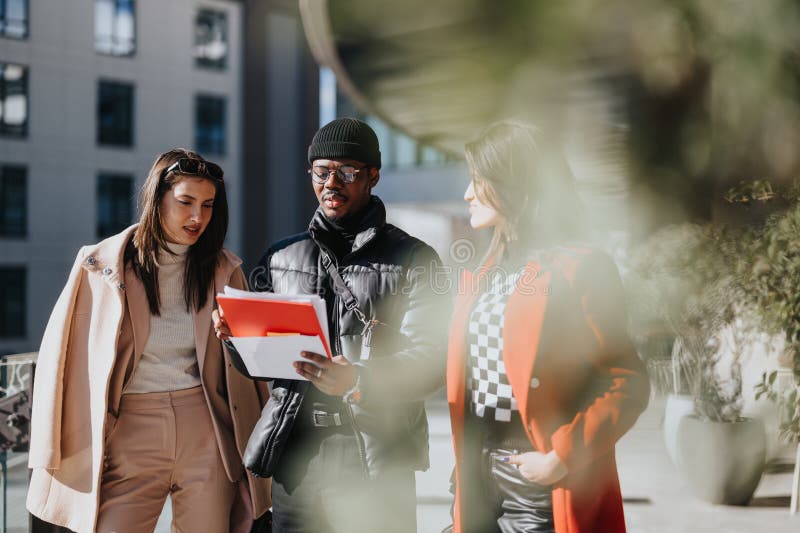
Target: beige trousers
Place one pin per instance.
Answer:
(164, 445)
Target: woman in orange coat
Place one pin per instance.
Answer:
(542, 379)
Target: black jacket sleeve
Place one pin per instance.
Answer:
(417, 368)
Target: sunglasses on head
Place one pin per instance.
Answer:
(195, 167)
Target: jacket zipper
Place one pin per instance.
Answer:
(362, 452)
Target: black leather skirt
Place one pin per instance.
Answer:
(520, 505)
(497, 498)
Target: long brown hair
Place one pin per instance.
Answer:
(527, 181)
(149, 239)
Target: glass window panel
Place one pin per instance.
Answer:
(209, 136)
(114, 204)
(327, 95)
(115, 27)
(115, 113)
(124, 28)
(13, 202)
(386, 138)
(211, 39)
(14, 18)
(12, 302)
(406, 151)
(16, 110)
(103, 25)
(431, 156)
(13, 100)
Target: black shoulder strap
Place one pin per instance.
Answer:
(350, 301)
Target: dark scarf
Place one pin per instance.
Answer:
(340, 236)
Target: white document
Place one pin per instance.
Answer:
(314, 299)
(273, 357)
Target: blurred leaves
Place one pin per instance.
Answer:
(788, 402)
(773, 277)
(709, 91)
(688, 277)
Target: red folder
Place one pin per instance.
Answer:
(253, 317)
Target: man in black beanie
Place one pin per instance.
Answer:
(342, 444)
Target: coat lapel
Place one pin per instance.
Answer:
(468, 291)
(139, 310)
(457, 345)
(522, 333)
(202, 328)
(202, 319)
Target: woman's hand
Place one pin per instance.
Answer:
(540, 468)
(221, 329)
(332, 376)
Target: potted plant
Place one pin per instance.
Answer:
(788, 400)
(692, 274)
(719, 452)
(773, 278)
(656, 289)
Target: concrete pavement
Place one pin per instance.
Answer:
(656, 499)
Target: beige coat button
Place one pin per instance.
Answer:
(535, 383)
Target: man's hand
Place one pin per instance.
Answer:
(541, 468)
(221, 329)
(332, 376)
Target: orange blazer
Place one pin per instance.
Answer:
(577, 378)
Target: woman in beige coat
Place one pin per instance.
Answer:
(135, 399)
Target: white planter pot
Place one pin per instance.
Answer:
(677, 407)
(722, 461)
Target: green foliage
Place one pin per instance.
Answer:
(773, 277)
(788, 402)
(711, 284)
(688, 278)
(750, 191)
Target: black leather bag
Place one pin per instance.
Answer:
(262, 524)
(266, 438)
(257, 457)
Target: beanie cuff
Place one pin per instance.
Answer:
(344, 150)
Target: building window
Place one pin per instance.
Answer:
(12, 302)
(14, 18)
(209, 120)
(13, 202)
(211, 39)
(13, 100)
(115, 27)
(114, 206)
(115, 113)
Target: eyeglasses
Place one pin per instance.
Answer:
(346, 173)
(195, 167)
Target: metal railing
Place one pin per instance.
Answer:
(16, 384)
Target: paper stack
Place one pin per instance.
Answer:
(270, 330)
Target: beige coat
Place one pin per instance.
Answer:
(95, 335)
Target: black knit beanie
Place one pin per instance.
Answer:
(346, 138)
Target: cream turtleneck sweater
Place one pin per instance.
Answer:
(169, 359)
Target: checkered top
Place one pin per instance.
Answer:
(487, 381)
